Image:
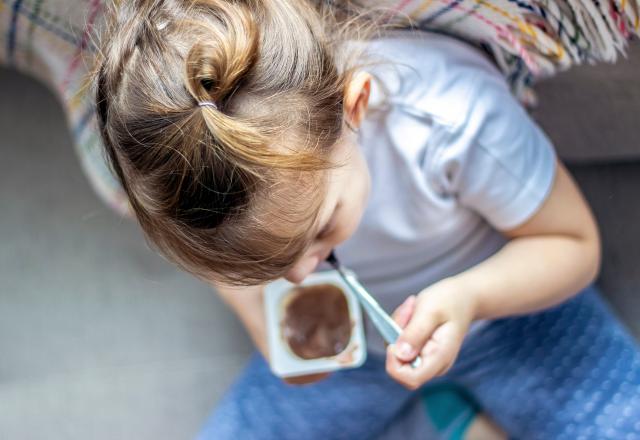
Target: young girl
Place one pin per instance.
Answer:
(251, 139)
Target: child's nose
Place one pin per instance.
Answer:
(302, 268)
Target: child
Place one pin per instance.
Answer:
(242, 135)
(242, 138)
(53, 41)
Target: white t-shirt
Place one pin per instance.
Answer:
(453, 157)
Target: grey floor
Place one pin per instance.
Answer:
(101, 339)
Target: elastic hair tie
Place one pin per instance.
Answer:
(208, 104)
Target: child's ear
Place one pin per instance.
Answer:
(356, 98)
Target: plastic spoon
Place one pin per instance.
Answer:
(386, 326)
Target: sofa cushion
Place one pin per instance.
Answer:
(592, 113)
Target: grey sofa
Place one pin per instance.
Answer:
(101, 339)
(592, 114)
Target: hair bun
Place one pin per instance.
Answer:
(223, 54)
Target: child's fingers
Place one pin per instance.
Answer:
(416, 333)
(408, 376)
(446, 342)
(438, 356)
(403, 313)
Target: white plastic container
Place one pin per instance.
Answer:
(284, 362)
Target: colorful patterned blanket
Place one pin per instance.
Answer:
(531, 39)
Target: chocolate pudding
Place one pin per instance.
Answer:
(316, 321)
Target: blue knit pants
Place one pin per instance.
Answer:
(571, 372)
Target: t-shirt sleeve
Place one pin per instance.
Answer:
(498, 162)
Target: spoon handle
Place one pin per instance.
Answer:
(386, 326)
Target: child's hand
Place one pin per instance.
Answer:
(434, 324)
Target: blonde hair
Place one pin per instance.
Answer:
(226, 192)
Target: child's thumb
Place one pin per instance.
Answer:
(403, 313)
(414, 336)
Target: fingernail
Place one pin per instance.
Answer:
(405, 350)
